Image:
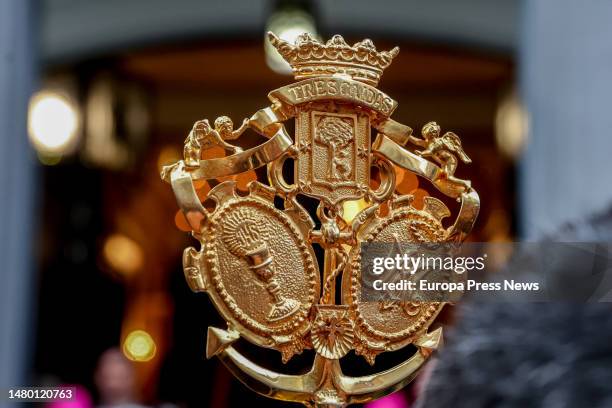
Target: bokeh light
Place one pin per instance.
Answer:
(405, 180)
(511, 125)
(123, 254)
(419, 195)
(139, 346)
(168, 155)
(181, 222)
(53, 124)
(287, 24)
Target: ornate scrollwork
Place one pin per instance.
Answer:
(256, 260)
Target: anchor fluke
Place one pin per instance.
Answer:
(429, 342)
(218, 339)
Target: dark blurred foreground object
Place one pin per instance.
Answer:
(529, 354)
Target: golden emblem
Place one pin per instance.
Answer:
(256, 260)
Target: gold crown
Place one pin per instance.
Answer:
(309, 57)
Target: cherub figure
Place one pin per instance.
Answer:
(203, 137)
(444, 149)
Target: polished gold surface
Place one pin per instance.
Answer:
(256, 260)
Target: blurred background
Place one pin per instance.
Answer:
(95, 96)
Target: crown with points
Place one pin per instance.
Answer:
(309, 57)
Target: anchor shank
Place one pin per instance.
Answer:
(329, 265)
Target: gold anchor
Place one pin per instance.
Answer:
(256, 261)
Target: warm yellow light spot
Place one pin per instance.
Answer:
(214, 152)
(123, 254)
(399, 174)
(352, 208)
(511, 125)
(49, 159)
(419, 196)
(405, 180)
(53, 122)
(139, 346)
(168, 155)
(288, 25)
(181, 222)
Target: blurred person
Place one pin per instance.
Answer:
(115, 381)
(510, 354)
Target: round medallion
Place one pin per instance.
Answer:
(392, 323)
(262, 270)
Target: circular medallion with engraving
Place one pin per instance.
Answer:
(391, 324)
(263, 272)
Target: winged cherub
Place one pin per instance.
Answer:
(203, 137)
(444, 149)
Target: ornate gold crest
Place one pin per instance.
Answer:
(256, 260)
